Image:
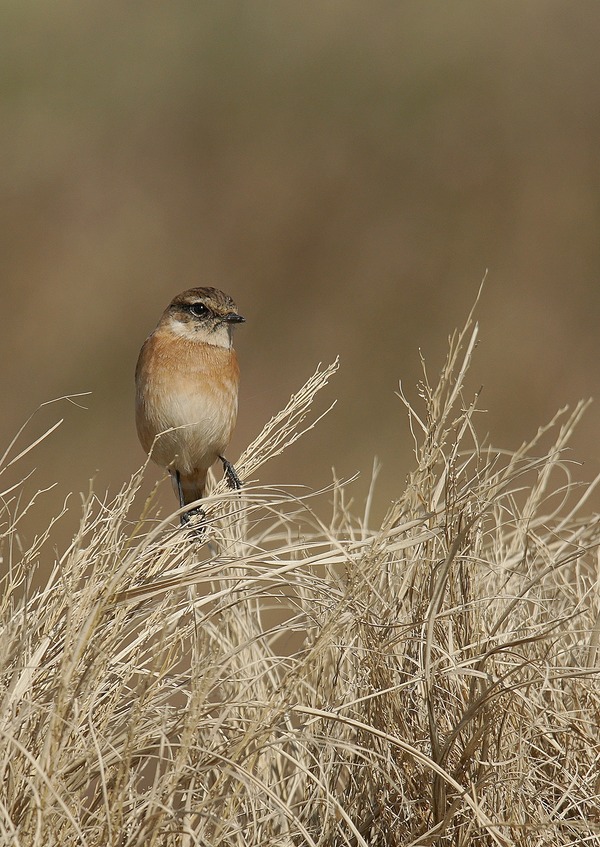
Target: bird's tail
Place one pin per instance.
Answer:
(192, 485)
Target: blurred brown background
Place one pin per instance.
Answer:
(346, 170)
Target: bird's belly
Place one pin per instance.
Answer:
(187, 429)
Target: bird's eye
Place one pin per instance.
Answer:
(199, 310)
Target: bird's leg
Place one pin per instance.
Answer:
(233, 480)
(179, 490)
(198, 511)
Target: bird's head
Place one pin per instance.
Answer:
(203, 314)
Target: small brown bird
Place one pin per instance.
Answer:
(186, 380)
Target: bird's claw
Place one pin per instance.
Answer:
(233, 480)
(197, 512)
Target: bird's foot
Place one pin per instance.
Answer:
(197, 527)
(233, 480)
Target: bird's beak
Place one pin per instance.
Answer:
(234, 318)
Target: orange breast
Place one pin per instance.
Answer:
(189, 388)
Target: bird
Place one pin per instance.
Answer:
(187, 378)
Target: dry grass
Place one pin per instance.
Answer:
(289, 681)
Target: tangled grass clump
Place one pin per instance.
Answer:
(433, 680)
